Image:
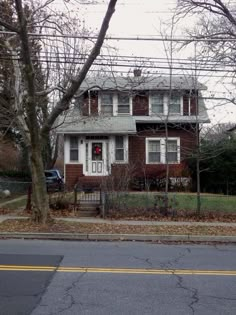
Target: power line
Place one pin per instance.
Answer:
(131, 38)
(110, 64)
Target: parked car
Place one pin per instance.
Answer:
(54, 180)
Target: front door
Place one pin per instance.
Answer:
(96, 158)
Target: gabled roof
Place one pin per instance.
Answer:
(142, 83)
(232, 129)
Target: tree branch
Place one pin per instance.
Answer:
(63, 104)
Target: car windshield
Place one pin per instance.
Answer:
(50, 173)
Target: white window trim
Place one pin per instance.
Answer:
(74, 161)
(163, 149)
(126, 150)
(181, 106)
(115, 104)
(150, 104)
(100, 101)
(165, 105)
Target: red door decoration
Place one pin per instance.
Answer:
(97, 150)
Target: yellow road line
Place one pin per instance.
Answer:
(120, 270)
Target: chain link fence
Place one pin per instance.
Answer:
(15, 187)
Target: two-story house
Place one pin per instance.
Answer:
(135, 122)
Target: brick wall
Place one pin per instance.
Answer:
(72, 174)
(137, 151)
(140, 105)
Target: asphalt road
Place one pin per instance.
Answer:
(50, 277)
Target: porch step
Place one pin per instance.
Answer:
(87, 213)
(88, 210)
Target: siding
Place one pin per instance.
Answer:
(137, 151)
(140, 105)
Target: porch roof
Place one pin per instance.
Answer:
(97, 125)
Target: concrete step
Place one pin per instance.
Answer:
(88, 213)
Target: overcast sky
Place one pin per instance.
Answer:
(148, 18)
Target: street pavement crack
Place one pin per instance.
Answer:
(69, 298)
(146, 260)
(220, 298)
(170, 265)
(192, 291)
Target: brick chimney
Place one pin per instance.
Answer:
(137, 72)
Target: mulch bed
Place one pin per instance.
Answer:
(138, 215)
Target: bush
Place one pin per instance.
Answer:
(16, 174)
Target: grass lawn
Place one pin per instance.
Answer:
(178, 201)
(143, 200)
(13, 202)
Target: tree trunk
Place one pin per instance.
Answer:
(40, 197)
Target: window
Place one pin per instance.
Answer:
(154, 151)
(74, 148)
(107, 103)
(157, 104)
(175, 104)
(158, 150)
(123, 103)
(119, 148)
(172, 152)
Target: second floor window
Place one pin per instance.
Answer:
(123, 106)
(175, 104)
(157, 104)
(107, 104)
(74, 149)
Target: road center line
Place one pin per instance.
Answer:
(120, 270)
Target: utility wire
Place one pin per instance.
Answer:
(130, 38)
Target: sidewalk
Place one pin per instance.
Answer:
(123, 237)
(127, 222)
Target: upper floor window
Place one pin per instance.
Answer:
(175, 104)
(74, 148)
(114, 103)
(157, 103)
(107, 103)
(123, 106)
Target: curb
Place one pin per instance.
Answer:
(119, 237)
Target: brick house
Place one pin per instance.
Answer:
(134, 125)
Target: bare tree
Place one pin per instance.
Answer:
(26, 94)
